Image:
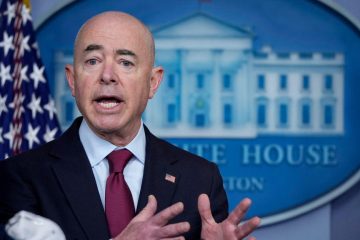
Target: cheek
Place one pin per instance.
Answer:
(77, 90)
(82, 92)
(138, 96)
(145, 91)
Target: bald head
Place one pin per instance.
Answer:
(119, 23)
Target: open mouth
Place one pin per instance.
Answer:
(108, 102)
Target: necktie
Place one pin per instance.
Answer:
(119, 205)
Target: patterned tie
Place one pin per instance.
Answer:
(119, 205)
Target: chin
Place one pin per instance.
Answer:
(106, 125)
(109, 126)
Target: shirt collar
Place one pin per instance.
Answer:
(97, 148)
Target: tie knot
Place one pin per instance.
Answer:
(118, 160)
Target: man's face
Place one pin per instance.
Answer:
(113, 78)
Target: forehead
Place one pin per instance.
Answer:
(114, 35)
(114, 32)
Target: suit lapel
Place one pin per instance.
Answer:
(160, 176)
(75, 176)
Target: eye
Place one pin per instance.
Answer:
(92, 61)
(126, 63)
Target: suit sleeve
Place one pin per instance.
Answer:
(15, 195)
(218, 199)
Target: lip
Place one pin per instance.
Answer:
(108, 102)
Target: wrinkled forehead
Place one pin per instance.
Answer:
(123, 30)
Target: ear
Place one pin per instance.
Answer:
(69, 71)
(155, 80)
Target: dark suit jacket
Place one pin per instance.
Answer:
(3, 235)
(57, 182)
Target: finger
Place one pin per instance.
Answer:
(239, 212)
(246, 228)
(204, 209)
(163, 217)
(175, 229)
(148, 211)
(251, 238)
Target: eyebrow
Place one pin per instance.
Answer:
(95, 47)
(125, 52)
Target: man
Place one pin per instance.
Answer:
(66, 180)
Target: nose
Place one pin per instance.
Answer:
(108, 76)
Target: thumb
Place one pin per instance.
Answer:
(148, 211)
(205, 210)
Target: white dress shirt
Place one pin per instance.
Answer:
(97, 149)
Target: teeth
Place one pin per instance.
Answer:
(109, 104)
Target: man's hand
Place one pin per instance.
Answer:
(146, 225)
(229, 229)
